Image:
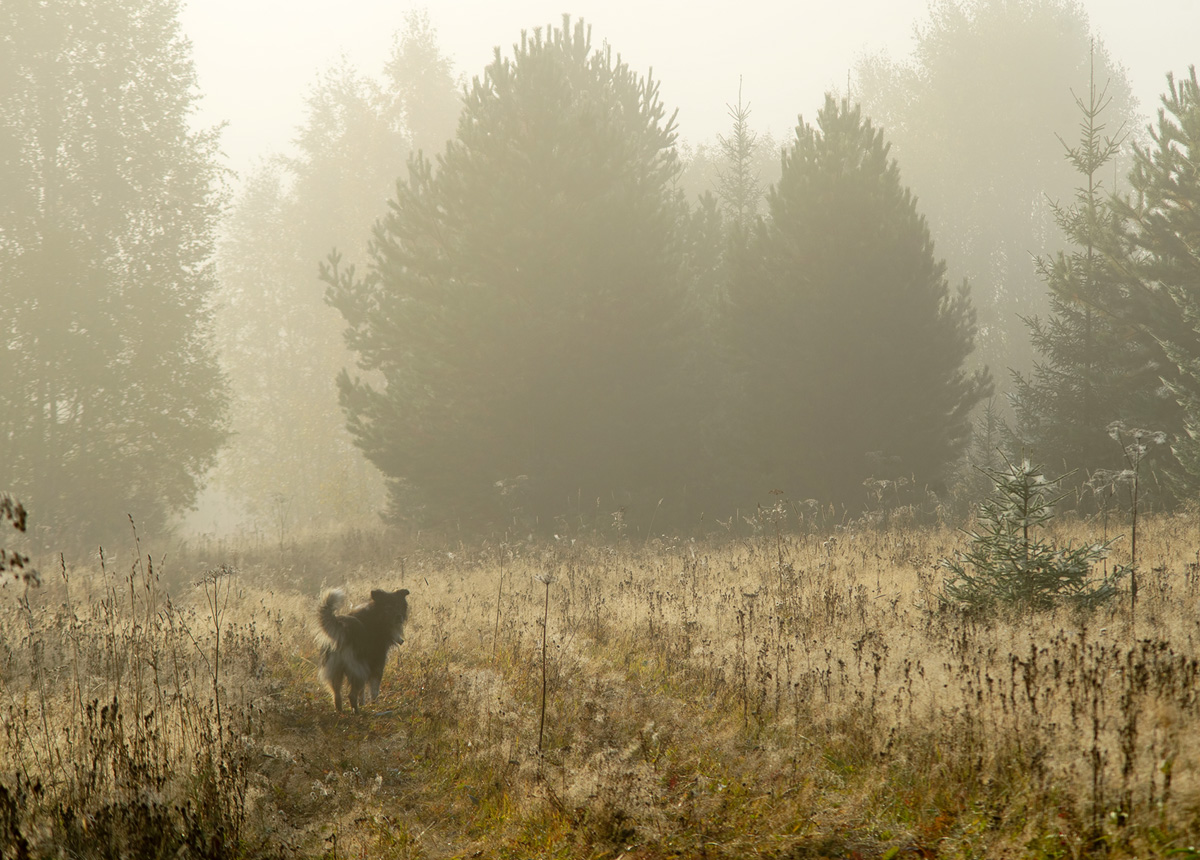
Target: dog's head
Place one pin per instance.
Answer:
(395, 607)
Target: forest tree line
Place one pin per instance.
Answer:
(524, 303)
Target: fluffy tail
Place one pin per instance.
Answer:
(332, 626)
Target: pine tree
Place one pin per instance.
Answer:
(739, 186)
(1095, 359)
(112, 401)
(850, 342)
(1163, 261)
(520, 313)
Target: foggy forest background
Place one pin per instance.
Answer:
(511, 298)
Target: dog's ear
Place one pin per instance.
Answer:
(402, 592)
(379, 595)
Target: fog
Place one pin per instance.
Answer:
(255, 59)
(601, 300)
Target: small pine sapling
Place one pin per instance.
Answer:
(1009, 565)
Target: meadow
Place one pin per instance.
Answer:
(790, 692)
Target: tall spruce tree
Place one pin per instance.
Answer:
(739, 185)
(850, 342)
(1163, 261)
(705, 165)
(518, 319)
(716, 235)
(111, 400)
(1096, 364)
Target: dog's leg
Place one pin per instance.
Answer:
(334, 678)
(356, 693)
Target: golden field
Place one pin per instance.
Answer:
(781, 694)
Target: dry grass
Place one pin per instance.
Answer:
(783, 696)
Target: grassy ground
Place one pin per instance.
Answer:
(784, 695)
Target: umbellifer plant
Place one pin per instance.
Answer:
(1009, 563)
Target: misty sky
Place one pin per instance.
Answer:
(257, 58)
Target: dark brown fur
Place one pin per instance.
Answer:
(355, 646)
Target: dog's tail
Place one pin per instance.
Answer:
(332, 626)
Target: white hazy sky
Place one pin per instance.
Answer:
(256, 59)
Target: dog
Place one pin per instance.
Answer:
(355, 647)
